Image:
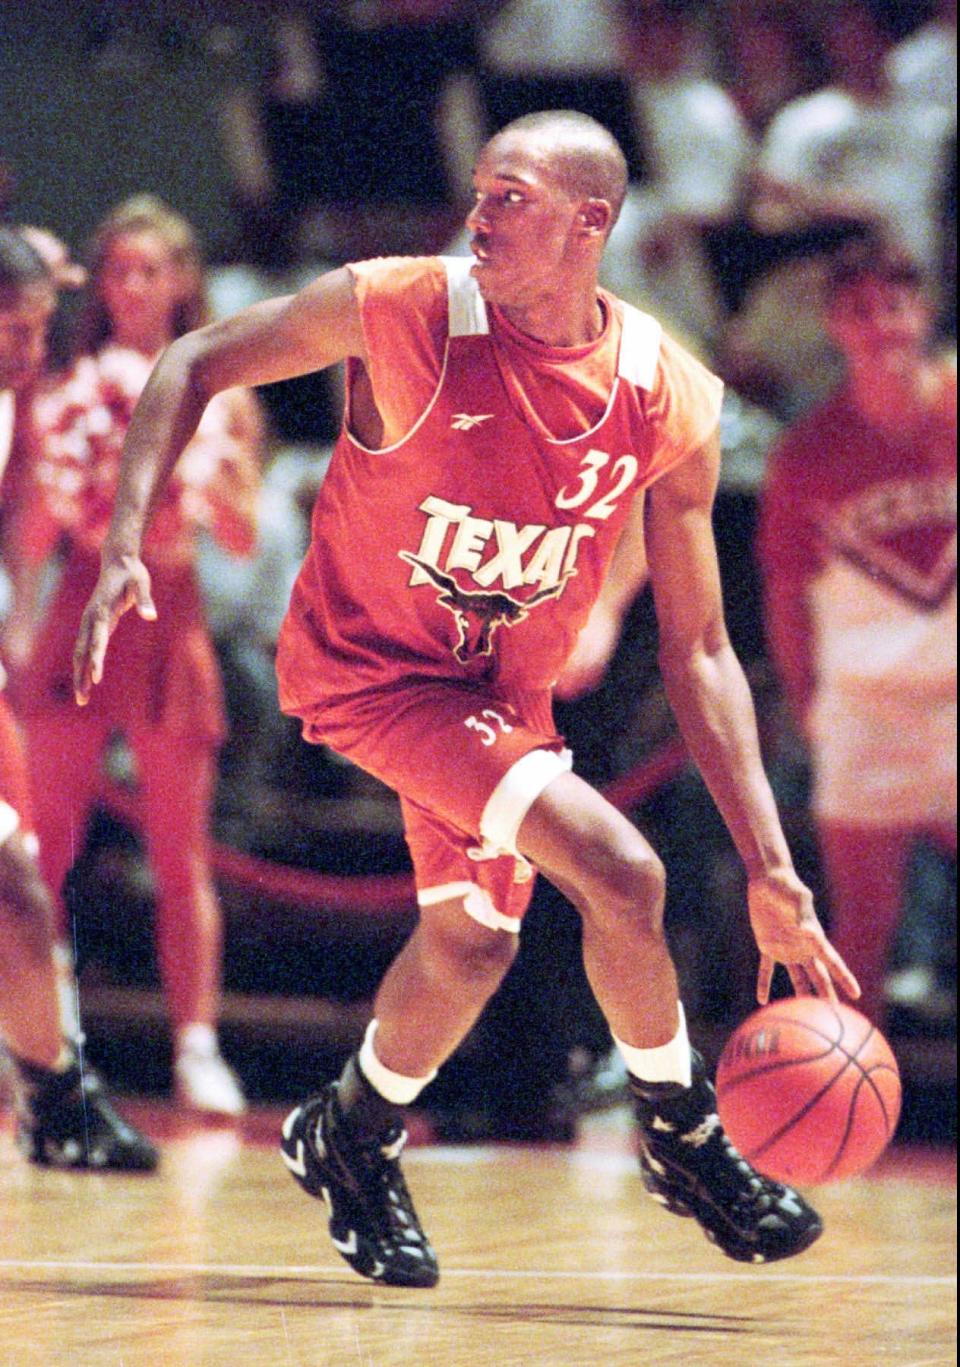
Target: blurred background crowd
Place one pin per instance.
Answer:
(763, 138)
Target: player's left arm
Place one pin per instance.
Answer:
(711, 700)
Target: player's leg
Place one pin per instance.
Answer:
(865, 868)
(459, 952)
(64, 749)
(64, 1116)
(615, 880)
(434, 991)
(344, 1144)
(29, 1011)
(176, 774)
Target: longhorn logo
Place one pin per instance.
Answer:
(477, 613)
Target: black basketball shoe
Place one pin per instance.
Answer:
(690, 1166)
(373, 1224)
(66, 1120)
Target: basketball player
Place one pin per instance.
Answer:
(64, 1115)
(858, 543)
(501, 414)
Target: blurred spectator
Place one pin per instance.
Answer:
(838, 164)
(774, 348)
(246, 600)
(923, 66)
(361, 135)
(558, 54)
(146, 287)
(859, 552)
(771, 57)
(856, 150)
(697, 151)
(66, 273)
(569, 37)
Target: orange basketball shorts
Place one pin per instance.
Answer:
(467, 765)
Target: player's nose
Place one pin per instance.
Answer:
(478, 217)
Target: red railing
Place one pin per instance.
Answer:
(373, 892)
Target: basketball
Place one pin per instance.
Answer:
(808, 1090)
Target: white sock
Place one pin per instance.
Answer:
(667, 1063)
(68, 997)
(393, 1086)
(197, 1038)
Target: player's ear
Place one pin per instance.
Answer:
(594, 217)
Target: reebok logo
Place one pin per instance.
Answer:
(466, 422)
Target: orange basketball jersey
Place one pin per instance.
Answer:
(474, 545)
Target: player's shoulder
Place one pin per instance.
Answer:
(682, 354)
(407, 277)
(657, 349)
(682, 376)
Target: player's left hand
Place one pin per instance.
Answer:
(788, 931)
(588, 662)
(124, 583)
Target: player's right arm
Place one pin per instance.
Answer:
(274, 340)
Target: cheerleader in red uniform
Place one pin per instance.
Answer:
(145, 289)
(858, 544)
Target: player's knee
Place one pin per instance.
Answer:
(628, 888)
(479, 960)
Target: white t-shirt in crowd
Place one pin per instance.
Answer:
(924, 67)
(889, 156)
(553, 37)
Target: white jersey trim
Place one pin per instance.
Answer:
(9, 821)
(467, 312)
(637, 362)
(478, 904)
(7, 409)
(639, 348)
(467, 318)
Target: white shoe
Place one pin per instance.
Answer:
(205, 1083)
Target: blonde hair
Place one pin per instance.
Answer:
(141, 214)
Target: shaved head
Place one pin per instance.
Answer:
(580, 153)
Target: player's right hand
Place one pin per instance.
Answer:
(788, 931)
(123, 583)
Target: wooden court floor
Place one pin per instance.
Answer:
(551, 1257)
